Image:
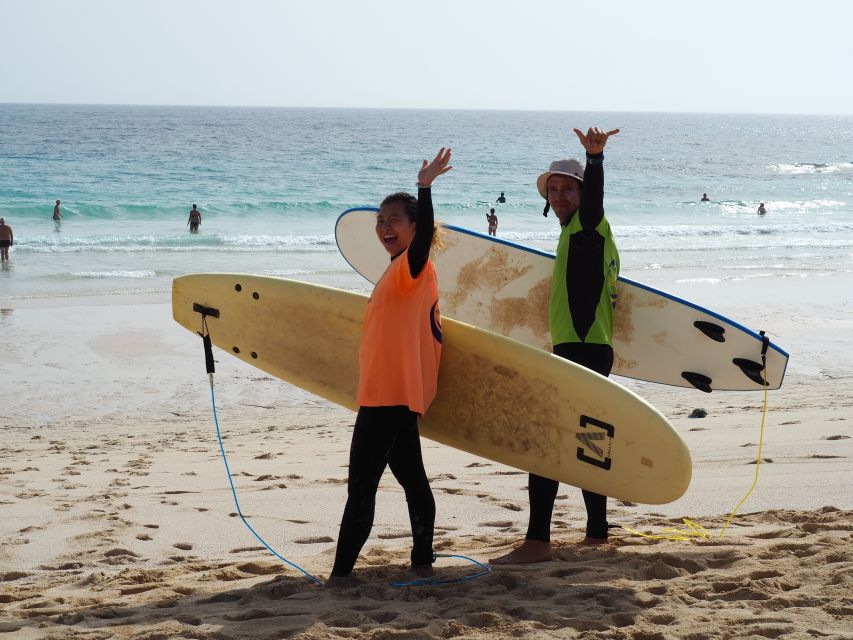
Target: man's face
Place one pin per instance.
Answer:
(564, 194)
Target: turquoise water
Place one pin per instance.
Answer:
(271, 182)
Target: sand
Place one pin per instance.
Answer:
(116, 520)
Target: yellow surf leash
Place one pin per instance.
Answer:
(693, 530)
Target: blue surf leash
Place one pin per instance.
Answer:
(433, 582)
(211, 369)
(311, 578)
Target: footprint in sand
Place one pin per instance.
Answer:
(315, 540)
(245, 549)
(510, 505)
(183, 546)
(394, 535)
(143, 537)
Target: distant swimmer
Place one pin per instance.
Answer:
(195, 219)
(705, 198)
(493, 222)
(7, 239)
(761, 209)
(57, 212)
(501, 198)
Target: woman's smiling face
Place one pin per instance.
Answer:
(394, 228)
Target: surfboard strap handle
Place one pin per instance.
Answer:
(205, 311)
(765, 343)
(208, 354)
(205, 334)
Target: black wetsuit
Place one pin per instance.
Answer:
(388, 436)
(584, 282)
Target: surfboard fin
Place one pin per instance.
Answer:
(713, 331)
(751, 369)
(703, 383)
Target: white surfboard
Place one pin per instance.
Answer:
(497, 398)
(505, 288)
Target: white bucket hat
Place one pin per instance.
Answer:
(571, 168)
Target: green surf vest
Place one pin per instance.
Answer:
(559, 316)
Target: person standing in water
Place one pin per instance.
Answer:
(57, 212)
(492, 218)
(195, 219)
(581, 309)
(761, 209)
(7, 239)
(705, 198)
(501, 198)
(398, 376)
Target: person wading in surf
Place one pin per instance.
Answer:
(7, 239)
(194, 220)
(583, 299)
(398, 376)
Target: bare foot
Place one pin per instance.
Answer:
(594, 541)
(529, 552)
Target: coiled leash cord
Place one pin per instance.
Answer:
(209, 363)
(694, 530)
(423, 582)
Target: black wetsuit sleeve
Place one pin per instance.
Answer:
(424, 230)
(584, 276)
(592, 198)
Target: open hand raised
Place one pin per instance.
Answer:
(431, 170)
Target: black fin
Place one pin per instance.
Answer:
(751, 369)
(713, 331)
(703, 383)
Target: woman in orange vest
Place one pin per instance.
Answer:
(398, 373)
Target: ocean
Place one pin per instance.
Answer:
(270, 183)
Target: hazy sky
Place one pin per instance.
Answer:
(760, 56)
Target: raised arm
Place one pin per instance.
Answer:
(592, 198)
(425, 225)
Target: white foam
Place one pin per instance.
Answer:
(812, 167)
(142, 273)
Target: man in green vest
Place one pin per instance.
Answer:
(583, 297)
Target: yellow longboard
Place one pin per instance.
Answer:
(497, 398)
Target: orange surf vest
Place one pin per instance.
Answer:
(401, 339)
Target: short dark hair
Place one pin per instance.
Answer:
(409, 202)
(193, 206)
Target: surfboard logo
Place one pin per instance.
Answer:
(435, 322)
(595, 442)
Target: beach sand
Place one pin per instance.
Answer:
(116, 519)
